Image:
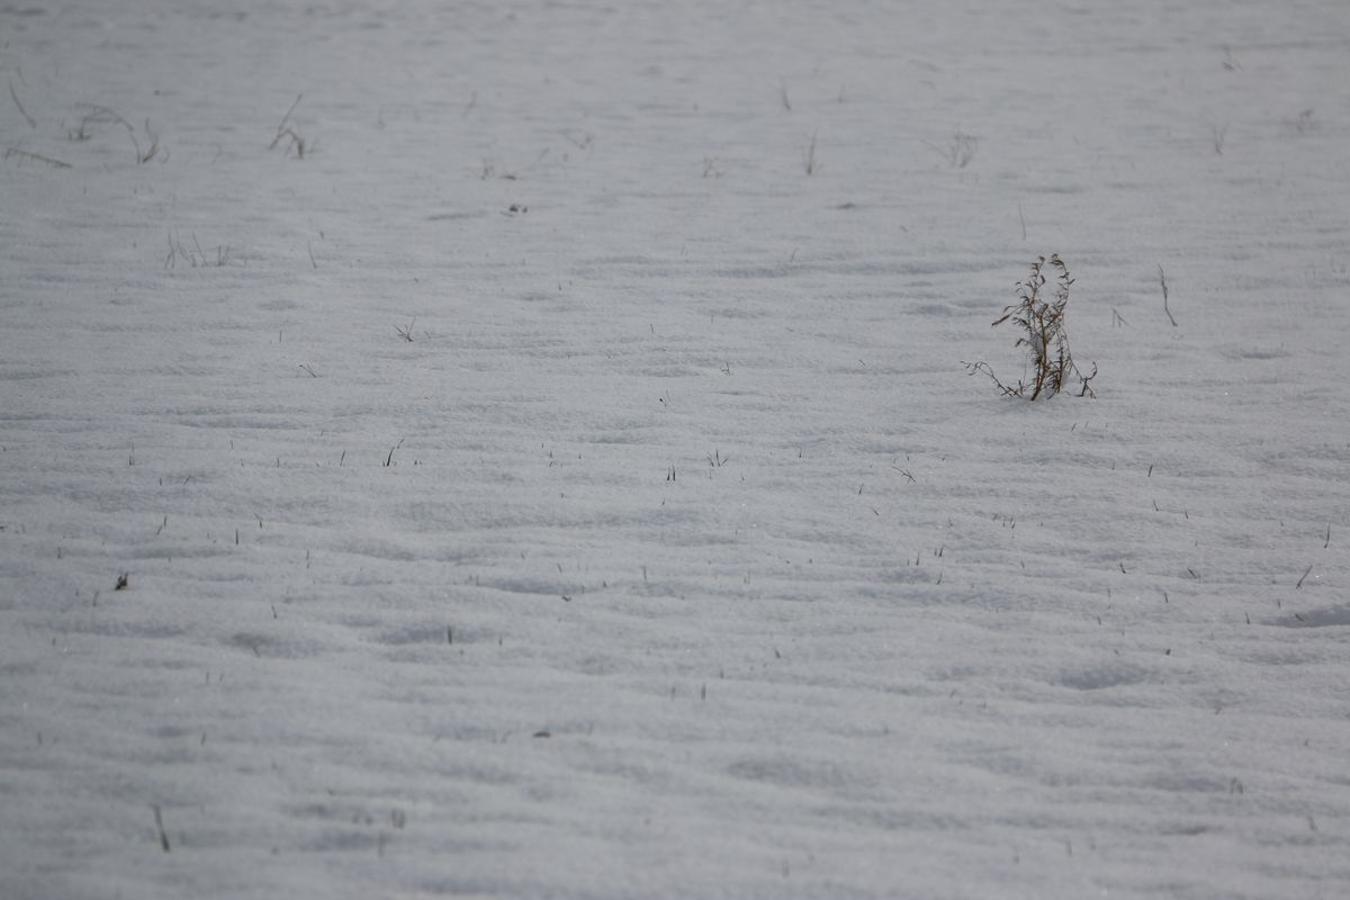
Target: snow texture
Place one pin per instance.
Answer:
(541, 463)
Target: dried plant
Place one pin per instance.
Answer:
(287, 137)
(1041, 323)
(959, 150)
(1162, 279)
(194, 255)
(102, 115)
(809, 157)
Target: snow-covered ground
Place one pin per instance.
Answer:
(676, 553)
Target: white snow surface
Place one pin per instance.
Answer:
(676, 554)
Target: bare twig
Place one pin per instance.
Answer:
(154, 145)
(26, 117)
(809, 158)
(195, 256)
(15, 151)
(159, 825)
(286, 118)
(103, 115)
(959, 151)
(1162, 279)
(982, 366)
(297, 142)
(1218, 134)
(1086, 381)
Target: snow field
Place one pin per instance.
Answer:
(676, 554)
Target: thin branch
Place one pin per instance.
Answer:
(159, 826)
(809, 158)
(154, 146)
(982, 366)
(104, 114)
(1162, 279)
(286, 118)
(27, 118)
(285, 131)
(15, 151)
